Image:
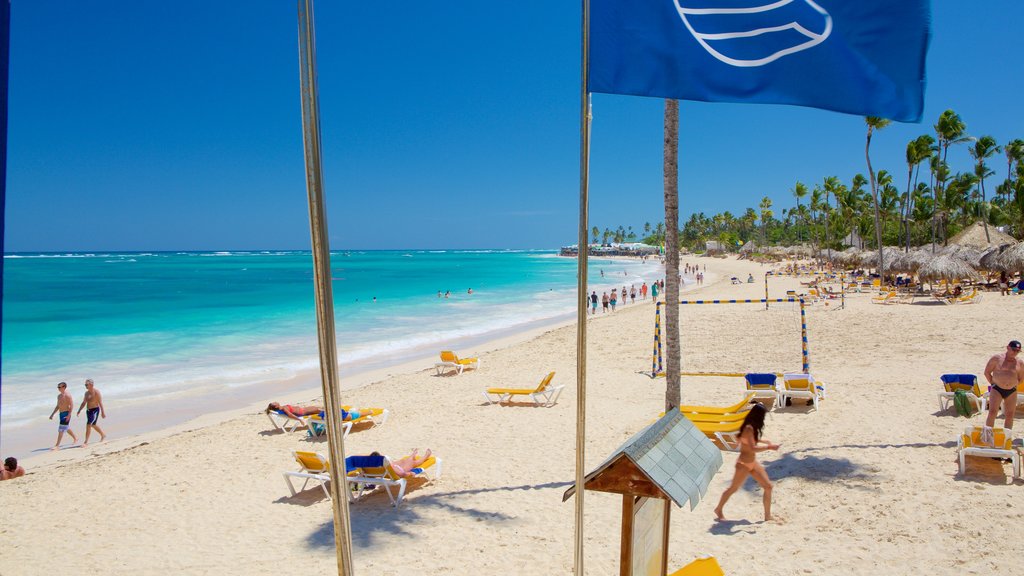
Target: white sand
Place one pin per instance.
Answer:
(866, 485)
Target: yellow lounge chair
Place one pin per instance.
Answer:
(700, 567)
(375, 416)
(721, 418)
(966, 382)
(543, 394)
(970, 444)
(312, 467)
(799, 385)
(737, 407)
(728, 433)
(889, 297)
(367, 473)
(449, 361)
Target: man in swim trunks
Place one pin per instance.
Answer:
(1004, 373)
(65, 403)
(94, 401)
(593, 302)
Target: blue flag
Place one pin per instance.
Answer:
(862, 57)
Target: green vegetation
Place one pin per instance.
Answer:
(932, 206)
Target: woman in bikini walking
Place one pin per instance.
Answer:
(747, 465)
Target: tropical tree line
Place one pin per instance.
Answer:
(923, 201)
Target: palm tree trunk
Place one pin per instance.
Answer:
(984, 210)
(671, 180)
(874, 196)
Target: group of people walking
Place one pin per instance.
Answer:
(615, 298)
(94, 410)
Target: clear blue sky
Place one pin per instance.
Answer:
(176, 125)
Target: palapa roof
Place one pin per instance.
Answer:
(974, 236)
(946, 267)
(1012, 258)
(668, 459)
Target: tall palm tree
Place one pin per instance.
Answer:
(799, 191)
(950, 130)
(766, 214)
(983, 149)
(875, 123)
(830, 185)
(596, 233)
(1014, 155)
(671, 184)
(815, 205)
(918, 150)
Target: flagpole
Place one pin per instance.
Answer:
(581, 282)
(324, 291)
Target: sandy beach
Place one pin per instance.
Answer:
(868, 484)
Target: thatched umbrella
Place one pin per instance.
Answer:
(968, 254)
(1012, 258)
(888, 252)
(945, 267)
(992, 261)
(913, 260)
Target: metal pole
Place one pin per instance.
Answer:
(581, 281)
(803, 338)
(324, 292)
(765, 290)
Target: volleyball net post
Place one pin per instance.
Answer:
(657, 366)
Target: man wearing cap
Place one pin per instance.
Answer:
(1004, 373)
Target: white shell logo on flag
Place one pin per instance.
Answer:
(751, 33)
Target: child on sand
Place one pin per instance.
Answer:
(747, 465)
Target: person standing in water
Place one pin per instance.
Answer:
(747, 465)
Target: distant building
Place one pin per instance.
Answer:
(613, 249)
(714, 246)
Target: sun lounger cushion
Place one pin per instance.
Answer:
(760, 379)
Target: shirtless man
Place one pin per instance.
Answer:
(11, 469)
(1004, 372)
(94, 401)
(65, 403)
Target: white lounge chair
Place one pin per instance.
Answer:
(763, 385)
(367, 473)
(800, 385)
(312, 467)
(966, 382)
(971, 444)
(450, 361)
(283, 422)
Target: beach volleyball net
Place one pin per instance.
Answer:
(736, 337)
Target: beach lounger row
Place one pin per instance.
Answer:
(722, 423)
(363, 474)
(798, 385)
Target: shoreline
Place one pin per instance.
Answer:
(178, 412)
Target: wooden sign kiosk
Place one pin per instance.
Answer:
(669, 461)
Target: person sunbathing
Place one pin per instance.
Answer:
(297, 412)
(294, 412)
(405, 467)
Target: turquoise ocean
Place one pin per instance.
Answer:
(156, 325)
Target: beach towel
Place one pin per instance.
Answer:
(962, 404)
